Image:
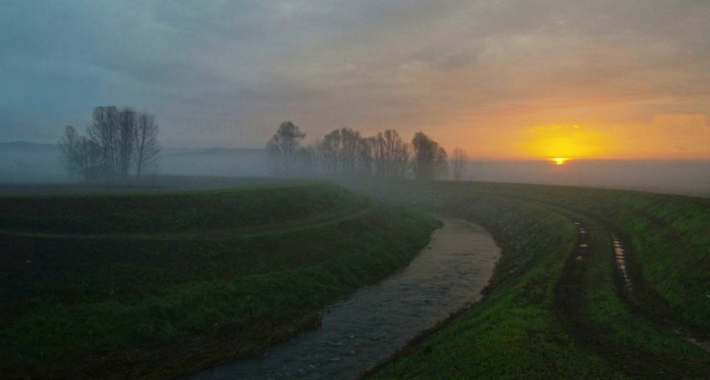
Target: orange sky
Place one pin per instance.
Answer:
(669, 136)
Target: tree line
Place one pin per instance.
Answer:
(345, 152)
(118, 142)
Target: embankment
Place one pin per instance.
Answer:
(155, 286)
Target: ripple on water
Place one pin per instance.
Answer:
(377, 320)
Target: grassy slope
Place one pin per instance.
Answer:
(515, 334)
(168, 307)
(645, 346)
(668, 235)
(180, 212)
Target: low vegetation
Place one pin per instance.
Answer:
(602, 310)
(514, 333)
(179, 282)
(668, 235)
(530, 326)
(183, 285)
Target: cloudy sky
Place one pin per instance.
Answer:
(500, 79)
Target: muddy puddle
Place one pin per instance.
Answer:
(378, 320)
(620, 255)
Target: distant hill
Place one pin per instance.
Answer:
(26, 162)
(24, 146)
(216, 150)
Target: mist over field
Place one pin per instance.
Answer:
(676, 177)
(42, 163)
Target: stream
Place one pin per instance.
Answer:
(377, 320)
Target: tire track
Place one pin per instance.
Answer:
(569, 303)
(630, 288)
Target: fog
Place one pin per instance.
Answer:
(214, 162)
(676, 177)
(24, 163)
(43, 163)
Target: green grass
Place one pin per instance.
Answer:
(609, 324)
(514, 333)
(668, 235)
(168, 301)
(603, 308)
(179, 212)
(517, 333)
(116, 307)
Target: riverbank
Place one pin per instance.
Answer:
(558, 305)
(377, 320)
(211, 277)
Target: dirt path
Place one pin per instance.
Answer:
(598, 339)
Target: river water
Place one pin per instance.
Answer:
(378, 320)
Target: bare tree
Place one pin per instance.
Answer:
(459, 161)
(430, 159)
(104, 132)
(114, 132)
(147, 148)
(90, 159)
(80, 154)
(441, 163)
(364, 156)
(344, 152)
(390, 155)
(69, 145)
(125, 142)
(351, 147)
(116, 141)
(282, 148)
(329, 152)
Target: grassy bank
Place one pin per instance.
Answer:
(513, 333)
(93, 299)
(645, 347)
(180, 212)
(520, 330)
(666, 234)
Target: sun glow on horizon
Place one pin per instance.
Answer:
(559, 143)
(559, 160)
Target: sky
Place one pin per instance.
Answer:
(501, 79)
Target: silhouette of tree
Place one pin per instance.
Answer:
(459, 160)
(115, 139)
(390, 155)
(430, 160)
(127, 126)
(344, 152)
(282, 148)
(69, 146)
(80, 154)
(147, 147)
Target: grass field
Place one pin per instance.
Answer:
(158, 285)
(557, 308)
(174, 280)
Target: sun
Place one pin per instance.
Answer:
(560, 143)
(559, 160)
